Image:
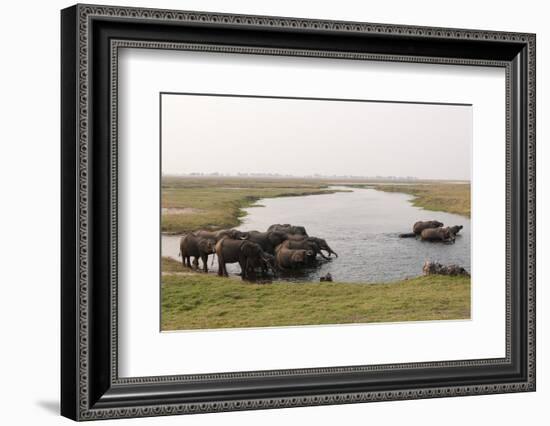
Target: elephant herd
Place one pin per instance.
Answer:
(433, 230)
(280, 248)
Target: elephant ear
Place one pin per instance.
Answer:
(276, 237)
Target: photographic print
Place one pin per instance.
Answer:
(279, 211)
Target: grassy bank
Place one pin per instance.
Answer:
(193, 203)
(445, 197)
(205, 301)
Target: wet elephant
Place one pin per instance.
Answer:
(247, 253)
(455, 229)
(323, 245)
(316, 245)
(267, 240)
(266, 263)
(437, 234)
(218, 235)
(419, 226)
(288, 229)
(286, 258)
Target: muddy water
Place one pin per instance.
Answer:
(362, 226)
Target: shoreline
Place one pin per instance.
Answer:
(428, 196)
(220, 203)
(241, 213)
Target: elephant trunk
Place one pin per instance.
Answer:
(330, 252)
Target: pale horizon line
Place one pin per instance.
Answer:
(306, 176)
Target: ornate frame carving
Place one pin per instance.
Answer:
(89, 403)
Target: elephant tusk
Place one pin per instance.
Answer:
(322, 255)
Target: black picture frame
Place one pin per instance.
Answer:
(90, 386)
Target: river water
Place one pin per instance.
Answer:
(362, 226)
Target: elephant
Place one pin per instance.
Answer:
(267, 240)
(266, 263)
(437, 234)
(247, 253)
(316, 245)
(455, 229)
(191, 245)
(291, 259)
(218, 235)
(323, 245)
(305, 244)
(288, 229)
(419, 226)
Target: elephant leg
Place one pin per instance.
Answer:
(220, 265)
(205, 262)
(224, 269)
(244, 268)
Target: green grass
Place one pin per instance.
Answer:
(210, 203)
(438, 196)
(205, 301)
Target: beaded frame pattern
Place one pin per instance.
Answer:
(87, 12)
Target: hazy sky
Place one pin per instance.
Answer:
(303, 137)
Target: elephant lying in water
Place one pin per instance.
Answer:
(438, 234)
(431, 224)
(191, 245)
(455, 229)
(419, 226)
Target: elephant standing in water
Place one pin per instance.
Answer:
(438, 234)
(191, 245)
(291, 259)
(267, 240)
(288, 229)
(247, 253)
(218, 235)
(314, 244)
(266, 263)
